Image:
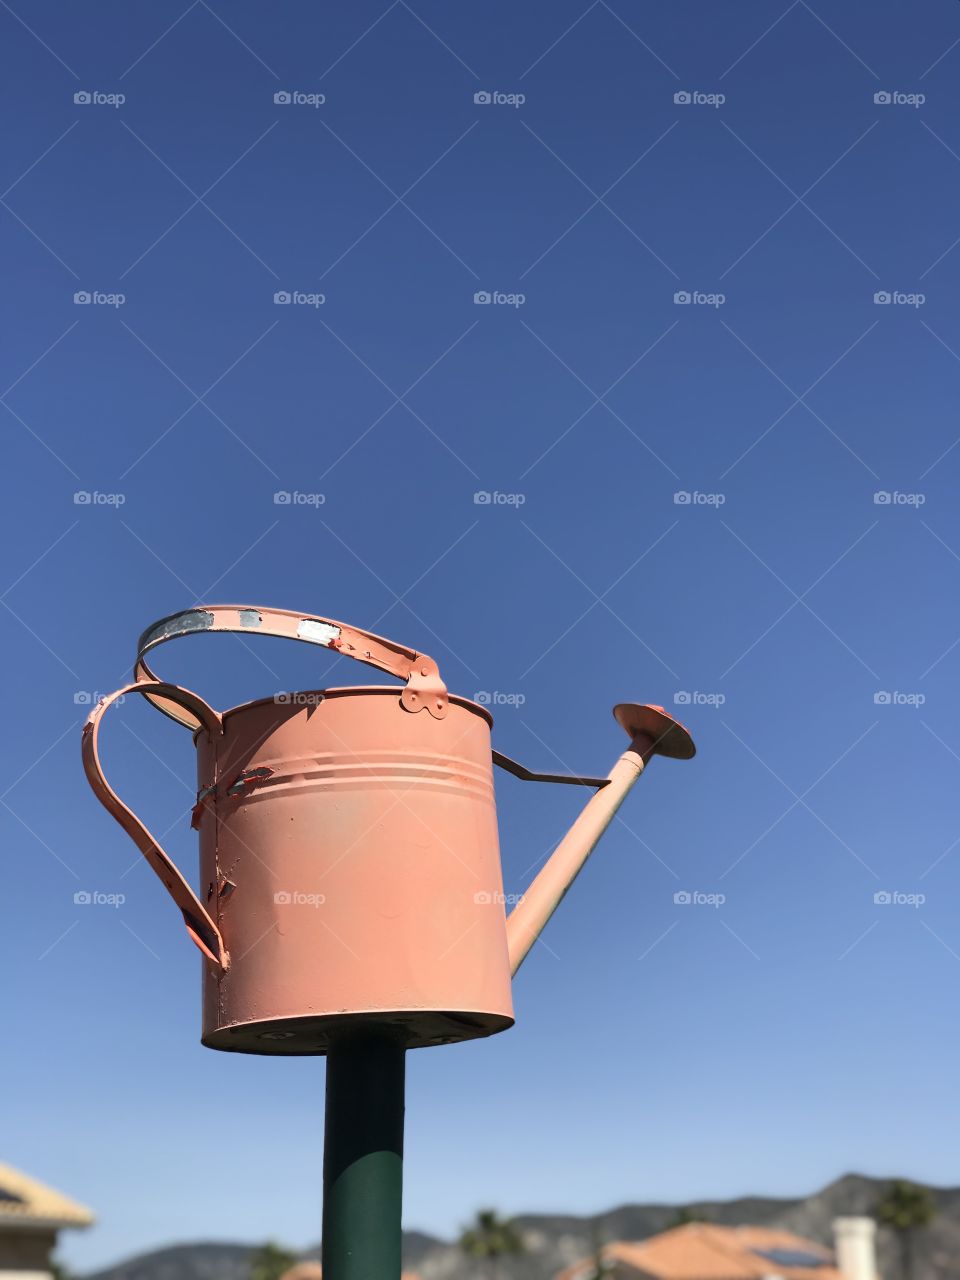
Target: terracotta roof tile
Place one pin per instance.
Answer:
(703, 1251)
(314, 1271)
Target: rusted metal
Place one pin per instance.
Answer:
(349, 849)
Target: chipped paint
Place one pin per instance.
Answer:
(179, 625)
(250, 618)
(317, 632)
(249, 778)
(197, 811)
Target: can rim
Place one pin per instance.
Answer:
(339, 691)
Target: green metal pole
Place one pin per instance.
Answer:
(363, 1159)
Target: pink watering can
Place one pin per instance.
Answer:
(349, 857)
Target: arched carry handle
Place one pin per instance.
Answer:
(200, 925)
(425, 689)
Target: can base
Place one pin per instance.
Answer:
(311, 1035)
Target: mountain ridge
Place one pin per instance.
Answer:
(553, 1241)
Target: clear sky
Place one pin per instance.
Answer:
(807, 631)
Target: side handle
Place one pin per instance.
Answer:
(200, 924)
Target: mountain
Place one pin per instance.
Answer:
(554, 1241)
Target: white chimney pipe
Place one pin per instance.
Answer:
(856, 1250)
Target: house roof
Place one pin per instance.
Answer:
(703, 1251)
(314, 1271)
(26, 1202)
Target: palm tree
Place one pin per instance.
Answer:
(904, 1208)
(270, 1261)
(490, 1239)
(601, 1266)
(686, 1214)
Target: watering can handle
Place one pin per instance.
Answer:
(200, 925)
(424, 689)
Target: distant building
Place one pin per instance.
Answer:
(31, 1214)
(704, 1251)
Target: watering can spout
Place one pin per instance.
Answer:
(651, 732)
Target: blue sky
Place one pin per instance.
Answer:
(741, 505)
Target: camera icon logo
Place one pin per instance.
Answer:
(682, 698)
(682, 298)
(482, 498)
(883, 98)
(882, 698)
(82, 98)
(882, 298)
(82, 698)
(682, 898)
(482, 298)
(282, 498)
(482, 98)
(82, 498)
(83, 898)
(882, 898)
(82, 298)
(483, 898)
(282, 98)
(282, 898)
(682, 98)
(882, 498)
(682, 498)
(282, 298)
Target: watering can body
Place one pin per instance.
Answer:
(349, 854)
(353, 857)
